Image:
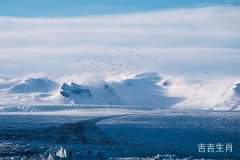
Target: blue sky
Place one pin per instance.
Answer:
(60, 8)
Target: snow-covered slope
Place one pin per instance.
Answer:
(7, 83)
(231, 98)
(34, 85)
(141, 90)
(96, 94)
(220, 94)
(148, 90)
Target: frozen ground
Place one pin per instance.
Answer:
(114, 132)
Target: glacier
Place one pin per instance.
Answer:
(102, 132)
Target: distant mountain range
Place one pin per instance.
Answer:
(149, 90)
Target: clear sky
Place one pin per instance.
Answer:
(195, 38)
(59, 8)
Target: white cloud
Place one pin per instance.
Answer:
(200, 36)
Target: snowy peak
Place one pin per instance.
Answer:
(140, 90)
(31, 85)
(74, 89)
(99, 94)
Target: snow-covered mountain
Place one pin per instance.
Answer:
(31, 85)
(148, 90)
(100, 94)
(140, 90)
